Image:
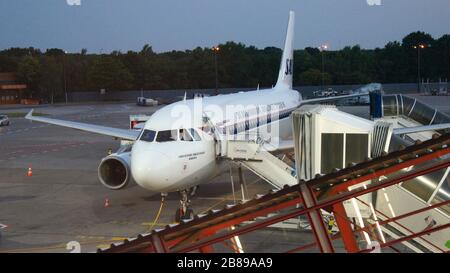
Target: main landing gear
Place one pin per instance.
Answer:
(184, 212)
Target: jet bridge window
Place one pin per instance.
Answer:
(332, 152)
(424, 186)
(443, 195)
(168, 135)
(148, 135)
(356, 148)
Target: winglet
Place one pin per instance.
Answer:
(30, 114)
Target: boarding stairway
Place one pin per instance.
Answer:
(327, 191)
(267, 166)
(249, 150)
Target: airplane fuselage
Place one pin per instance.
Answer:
(171, 165)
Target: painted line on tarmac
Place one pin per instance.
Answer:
(35, 149)
(62, 246)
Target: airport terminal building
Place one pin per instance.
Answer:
(11, 89)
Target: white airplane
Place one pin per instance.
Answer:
(176, 154)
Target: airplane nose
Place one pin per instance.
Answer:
(150, 168)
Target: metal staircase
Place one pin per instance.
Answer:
(262, 163)
(248, 149)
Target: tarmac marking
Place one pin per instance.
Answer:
(119, 238)
(63, 245)
(213, 206)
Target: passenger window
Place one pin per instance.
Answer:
(194, 134)
(184, 135)
(165, 136)
(148, 135)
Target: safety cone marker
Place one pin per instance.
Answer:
(106, 202)
(30, 171)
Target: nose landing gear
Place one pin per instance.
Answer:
(184, 212)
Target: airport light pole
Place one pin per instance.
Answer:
(216, 51)
(64, 75)
(419, 47)
(322, 49)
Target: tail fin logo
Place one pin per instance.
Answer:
(288, 70)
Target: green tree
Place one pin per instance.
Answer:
(28, 72)
(314, 77)
(51, 79)
(109, 73)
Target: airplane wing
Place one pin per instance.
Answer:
(416, 129)
(333, 98)
(98, 129)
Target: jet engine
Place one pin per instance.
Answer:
(114, 170)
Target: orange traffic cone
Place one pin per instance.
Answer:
(106, 202)
(30, 172)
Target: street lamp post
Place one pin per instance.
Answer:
(216, 51)
(419, 47)
(322, 49)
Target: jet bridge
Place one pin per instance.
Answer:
(327, 139)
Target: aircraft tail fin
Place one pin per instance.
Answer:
(287, 60)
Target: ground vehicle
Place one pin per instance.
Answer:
(142, 101)
(4, 121)
(325, 93)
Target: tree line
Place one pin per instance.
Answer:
(49, 73)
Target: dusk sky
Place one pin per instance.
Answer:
(106, 25)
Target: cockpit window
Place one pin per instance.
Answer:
(148, 135)
(194, 134)
(184, 135)
(169, 135)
